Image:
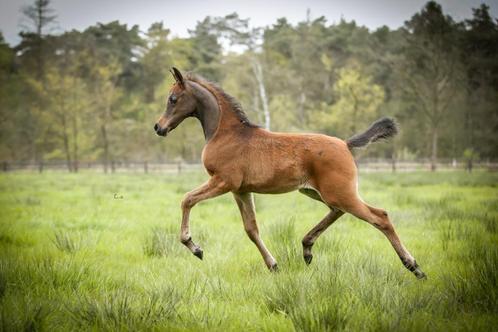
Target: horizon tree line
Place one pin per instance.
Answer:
(93, 95)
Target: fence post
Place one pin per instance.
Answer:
(146, 167)
(40, 166)
(179, 167)
(5, 166)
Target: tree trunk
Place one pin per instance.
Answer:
(75, 145)
(355, 113)
(300, 108)
(74, 125)
(103, 130)
(66, 142)
(40, 149)
(255, 105)
(258, 74)
(469, 165)
(434, 149)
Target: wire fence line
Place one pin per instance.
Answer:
(364, 165)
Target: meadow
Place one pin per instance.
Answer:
(91, 251)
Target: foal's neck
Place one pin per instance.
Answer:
(208, 111)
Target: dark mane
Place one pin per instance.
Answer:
(234, 104)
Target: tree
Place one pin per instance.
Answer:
(68, 97)
(10, 116)
(206, 50)
(155, 59)
(33, 53)
(107, 92)
(430, 68)
(357, 103)
(237, 31)
(357, 98)
(479, 45)
(40, 17)
(109, 66)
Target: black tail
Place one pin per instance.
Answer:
(381, 129)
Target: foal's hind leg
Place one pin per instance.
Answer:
(246, 207)
(379, 219)
(310, 238)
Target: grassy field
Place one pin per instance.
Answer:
(97, 252)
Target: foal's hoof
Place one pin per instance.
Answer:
(419, 274)
(198, 253)
(308, 258)
(274, 268)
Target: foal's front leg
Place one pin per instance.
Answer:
(212, 188)
(246, 206)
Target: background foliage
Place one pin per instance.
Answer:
(94, 95)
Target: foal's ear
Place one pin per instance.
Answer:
(178, 77)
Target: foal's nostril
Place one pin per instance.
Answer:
(156, 127)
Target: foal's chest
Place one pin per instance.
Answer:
(221, 156)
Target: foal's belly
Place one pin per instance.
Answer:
(274, 183)
(262, 189)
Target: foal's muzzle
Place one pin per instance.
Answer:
(160, 131)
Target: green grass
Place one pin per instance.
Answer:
(72, 257)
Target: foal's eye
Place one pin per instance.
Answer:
(172, 99)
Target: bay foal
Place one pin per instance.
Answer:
(243, 159)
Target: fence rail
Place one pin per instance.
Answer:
(365, 165)
(113, 167)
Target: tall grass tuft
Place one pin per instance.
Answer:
(27, 315)
(3, 280)
(319, 315)
(312, 301)
(64, 241)
(34, 319)
(124, 309)
(284, 296)
(161, 242)
(446, 233)
(477, 284)
(285, 243)
(48, 272)
(489, 221)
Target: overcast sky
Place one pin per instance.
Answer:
(179, 16)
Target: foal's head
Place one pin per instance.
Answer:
(181, 105)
